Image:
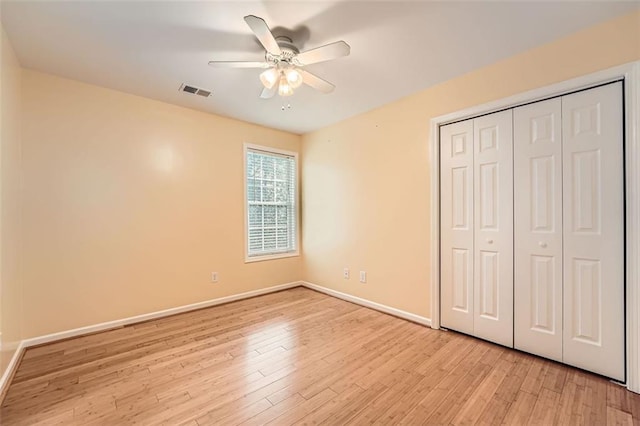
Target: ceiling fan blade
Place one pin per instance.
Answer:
(269, 93)
(324, 53)
(263, 33)
(238, 64)
(316, 82)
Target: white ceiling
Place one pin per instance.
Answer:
(397, 48)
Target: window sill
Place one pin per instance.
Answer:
(270, 257)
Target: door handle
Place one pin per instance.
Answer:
(489, 240)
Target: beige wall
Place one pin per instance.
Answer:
(10, 172)
(130, 204)
(366, 180)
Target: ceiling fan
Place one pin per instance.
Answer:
(284, 63)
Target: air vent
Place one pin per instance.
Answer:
(195, 90)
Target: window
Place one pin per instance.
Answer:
(271, 203)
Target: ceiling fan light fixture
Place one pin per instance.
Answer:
(294, 78)
(284, 88)
(269, 78)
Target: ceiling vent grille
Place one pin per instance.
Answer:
(195, 90)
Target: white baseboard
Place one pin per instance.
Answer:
(34, 341)
(11, 368)
(369, 304)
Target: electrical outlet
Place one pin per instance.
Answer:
(345, 273)
(214, 277)
(363, 276)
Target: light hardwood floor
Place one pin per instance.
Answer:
(300, 357)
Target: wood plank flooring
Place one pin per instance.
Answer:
(300, 357)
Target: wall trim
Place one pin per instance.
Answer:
(76, 332)
(632, 119)
(35, 341)
(9, 372)
(631, 74)
(369, 304)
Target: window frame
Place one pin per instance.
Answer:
(296, 199)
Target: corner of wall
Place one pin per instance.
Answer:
(11, 283)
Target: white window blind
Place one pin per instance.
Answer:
(271, 203)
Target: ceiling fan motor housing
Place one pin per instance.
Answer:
(289, 51)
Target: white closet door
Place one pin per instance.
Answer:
(493, 223)
(456, 227)
(593, 230)
(538, 228)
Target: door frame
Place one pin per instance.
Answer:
(630, 73)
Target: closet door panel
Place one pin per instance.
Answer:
(456, 227)
(594, 230)
(538, 228)
(493, 236)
